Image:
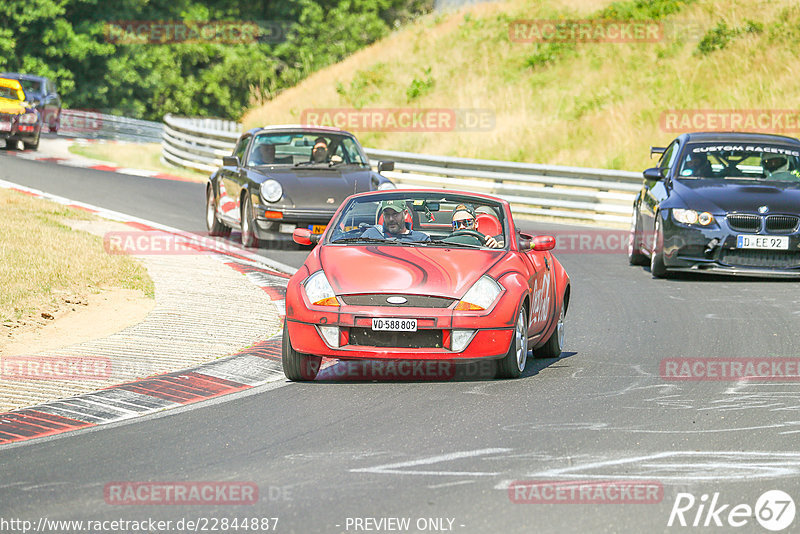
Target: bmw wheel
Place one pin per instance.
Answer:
(657, 267)
(512, 365)
(635, 256)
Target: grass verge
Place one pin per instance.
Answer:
(592, 104)
(43, 261)
(146, 156)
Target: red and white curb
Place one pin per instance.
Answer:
(87, 163)
(255, 366)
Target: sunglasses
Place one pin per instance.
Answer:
(463, 223)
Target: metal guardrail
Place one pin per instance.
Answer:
(198, 143)
(95, 125)
(568, 193)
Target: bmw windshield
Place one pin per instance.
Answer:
(741, 161)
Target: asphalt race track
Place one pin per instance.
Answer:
(347, 456)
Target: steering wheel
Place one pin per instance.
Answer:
(479, 238)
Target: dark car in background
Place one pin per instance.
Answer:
(42, 93)
(723, 203)
(284, 177)
(19, 118)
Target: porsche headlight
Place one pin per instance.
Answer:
(319, 290)
(271, 191)
(386, 185)
(481, 295)
(692, 217)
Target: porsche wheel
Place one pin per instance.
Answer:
(635, 256)
(215, 227)
(512, 365)
(249, 238)
(555, 343)
(657, 267)
(296, 366)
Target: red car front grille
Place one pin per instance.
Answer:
(421, 339)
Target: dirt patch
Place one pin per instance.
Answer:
(76, 320)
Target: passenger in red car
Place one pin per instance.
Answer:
(464, 219)
(394, 224)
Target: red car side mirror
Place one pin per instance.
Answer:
(543, 242)
(302, 236)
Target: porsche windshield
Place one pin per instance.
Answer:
(741, 161)
(305, 148)
(421, 219)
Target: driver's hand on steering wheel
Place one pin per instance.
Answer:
(491, 242)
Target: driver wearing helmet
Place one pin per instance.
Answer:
(464, 219)
(696, 164)
(774, 163)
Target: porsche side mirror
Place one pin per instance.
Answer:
(230, 161)
(543, 242)
(303, 236)
(385, 166)
(654, 173)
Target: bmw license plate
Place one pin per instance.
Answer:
(317, 228)
(767, 242)
(394, 325)
(5, 126)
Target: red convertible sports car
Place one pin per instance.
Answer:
(424, 275)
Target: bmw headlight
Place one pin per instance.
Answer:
(692, 217)
(271, 191)
(386, 185)
(319, 290)
(481, 295)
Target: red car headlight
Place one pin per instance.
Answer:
(481, 295)
(319, 290)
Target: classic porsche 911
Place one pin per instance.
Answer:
(284, 177)
(19, 118)
(720, 203)
(424, 275)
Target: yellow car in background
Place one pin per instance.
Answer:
(19, 119)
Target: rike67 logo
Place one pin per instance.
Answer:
(774, 510)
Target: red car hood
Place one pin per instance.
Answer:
(441, 272)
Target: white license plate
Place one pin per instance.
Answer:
(5, 126)
(394, 325)
(768, 242)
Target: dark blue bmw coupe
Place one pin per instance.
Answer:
(720, 202)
